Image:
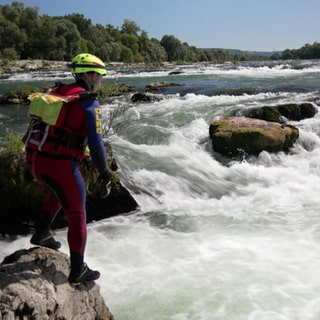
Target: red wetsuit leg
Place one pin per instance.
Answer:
(67, 189)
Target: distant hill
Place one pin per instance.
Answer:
(248, 53)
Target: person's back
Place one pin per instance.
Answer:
(74, 117)
(53, 153)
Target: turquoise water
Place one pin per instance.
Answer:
(211, 239)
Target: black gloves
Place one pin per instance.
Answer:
(104, 185)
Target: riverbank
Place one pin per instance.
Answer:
(14, 66)
(8, 67)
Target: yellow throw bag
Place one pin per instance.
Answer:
(46, 107)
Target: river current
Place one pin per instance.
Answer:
(213, 238)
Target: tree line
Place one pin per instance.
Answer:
(24, 34)
(308, 51)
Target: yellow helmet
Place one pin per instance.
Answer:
(86, 62)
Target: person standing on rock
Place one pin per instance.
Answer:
(53, 152)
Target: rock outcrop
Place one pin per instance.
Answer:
(235, 135)
(34, 285)
(30, 65)
(22, 198)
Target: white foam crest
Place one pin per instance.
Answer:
(259, 98)
(208, 241)
(268, 72)
(262, 70)
(4, 116)
(192, 275)
(142, 74)
(193, 102)
(39, 76)
(242, 191)
(234, 271)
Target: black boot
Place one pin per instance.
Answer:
(80, 272)
(45, 239)
(43, 235)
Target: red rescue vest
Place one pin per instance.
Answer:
(68, 137)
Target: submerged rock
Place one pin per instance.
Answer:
(153, 86)
(34, 285)
(296, 112)
(265, 113)
(144, 97)
(235, 135)
(289, 111)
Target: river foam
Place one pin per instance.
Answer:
(213, 238)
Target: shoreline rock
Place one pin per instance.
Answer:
(9, 67)
(34, 285)
(22, 197)
(29, 65)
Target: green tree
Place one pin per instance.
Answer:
(11, 37)
(115, 33)
(29, 23)
(202, 55)
(131, 41)
(275, 56)
(114, 52)
(126, 55)
(130, 27)
(287, 54)
(68, 39)
(12, 13)
(28, 18)
(25, 34)
(83, 24)
(44, 40)
(189, 53)
(308, 51)
(151, 49)
(173, 48)
(99, 41)
(158, 52)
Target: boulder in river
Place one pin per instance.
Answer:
(235, 135)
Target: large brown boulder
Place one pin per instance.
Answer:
(34, 285)
(235, 135)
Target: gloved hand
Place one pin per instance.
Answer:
(104, 185)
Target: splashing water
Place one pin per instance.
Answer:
(212, 239)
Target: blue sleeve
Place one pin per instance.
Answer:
(98, 151)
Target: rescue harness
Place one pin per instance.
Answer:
(47, 132)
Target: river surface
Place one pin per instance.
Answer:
(213, 238)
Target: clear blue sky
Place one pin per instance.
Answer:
(260, 25)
